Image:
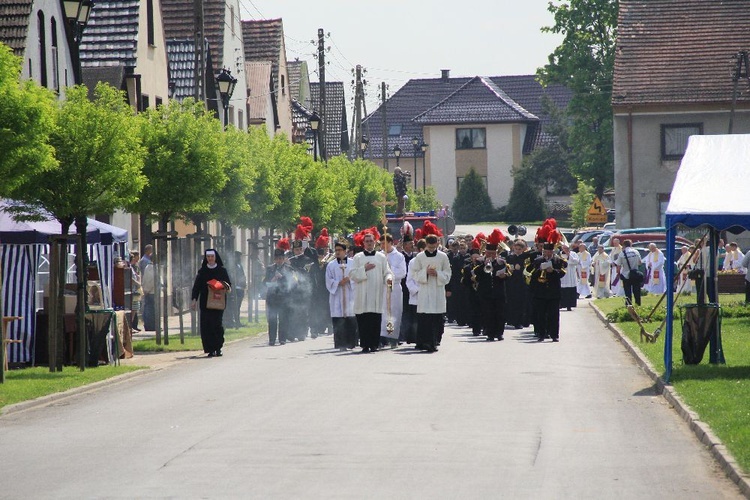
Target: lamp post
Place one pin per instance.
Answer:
(363, 145)
(415, 142)
(77, 13)
(397, 154)
(226, 83)
(314, 124)
(423, 147)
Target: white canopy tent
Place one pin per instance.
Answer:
(711, 191)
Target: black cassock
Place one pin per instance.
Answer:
(212, 330)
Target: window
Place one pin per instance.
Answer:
(240, 120)
(459, 180)
(674, 139)
(55, 63)
(282, 85)
(231, 14)
(470, 138)
(42, 47)
(159, 101)
(150, 22)
(394, 131)
(145, 103)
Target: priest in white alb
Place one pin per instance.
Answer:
(371, 275)
(432, 270)
(341, 299)
(655, 268)
(601, 267)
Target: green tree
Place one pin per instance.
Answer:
(26, 121)
(584, 62)
(423, 201)
(290, 182)
(266, 192)
(185, 161)
(525, 204)
(232, 206)
(581, 202)
(472, 203)
(99, 159)
(338, 176)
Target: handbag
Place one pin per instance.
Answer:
(635, 276)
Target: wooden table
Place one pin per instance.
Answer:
(731, 283)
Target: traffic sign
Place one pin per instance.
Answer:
(597, 213)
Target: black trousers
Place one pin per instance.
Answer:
(369, 330)
(429, 329)
(631, 291)
(747, 292)
(547, 317)
(408, 331)
(278, 322)
(493, 317)
(344, 332)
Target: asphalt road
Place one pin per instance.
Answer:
(512, 419)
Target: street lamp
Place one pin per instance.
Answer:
(226, 83)
(423, 147)
(314, 124)
(363, 145)
(397, 154)
(415, 142)
(77, 13)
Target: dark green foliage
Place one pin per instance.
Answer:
(472, 203)
(525, 204)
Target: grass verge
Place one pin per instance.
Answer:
(718, 393)
(31, 383)
(193, 342)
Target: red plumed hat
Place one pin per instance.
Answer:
(359, 239)
(300, 233)
(495, 238)
(407, 232)
(323, 239)
(480, 237)
(430, 228)
(307, 223)
(542, 233)
(551, 222)
(374, 231)
(283, 244)
(418, 235)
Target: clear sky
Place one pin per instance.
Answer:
(396, 41)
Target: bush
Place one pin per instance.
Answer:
(472, 203)
(581, 202)
(525, 204)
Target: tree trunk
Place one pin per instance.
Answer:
(81, 278)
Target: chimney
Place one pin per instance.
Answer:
(446, 74)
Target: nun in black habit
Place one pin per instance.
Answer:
(212, 330)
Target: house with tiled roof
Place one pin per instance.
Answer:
(483, 123)
(123, 45)
(299, 91)
(336, 140)
(222, 29)
(264, 42)
(261, 106)
(672, 79)
(36, 31)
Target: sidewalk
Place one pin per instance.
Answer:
(701, 430)
(159, 360)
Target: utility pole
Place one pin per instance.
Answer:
(742, 60)
(356, 140)
(200, 51)
(322, 78)
(383, 96)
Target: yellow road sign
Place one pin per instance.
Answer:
(597, 208)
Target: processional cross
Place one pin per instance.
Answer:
(382, 204)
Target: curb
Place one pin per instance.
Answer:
(701, 429)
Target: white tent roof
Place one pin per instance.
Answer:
(712, 183)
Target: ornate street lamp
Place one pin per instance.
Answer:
(314, 124)
(77, 14)
(397, 154)
(415, 142)
(423, 147)
(226, 83)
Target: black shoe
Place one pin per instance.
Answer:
(365, 350)
(431, 349)
(569, 309)
(555, 340)
(500, 338)
(210, 355)
(218, 353)
(490, 339)
(540, 339)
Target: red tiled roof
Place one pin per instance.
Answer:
(679, 51)
(179, 24)
(262, 40)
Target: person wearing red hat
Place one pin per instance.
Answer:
(371, 275)
(320, 314)
(277, 287)
(301, 291)
(546, 272)
(490, 280)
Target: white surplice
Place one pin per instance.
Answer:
(369, 285)
(341, 300)
(397, 263)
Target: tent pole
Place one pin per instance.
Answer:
(670, 301)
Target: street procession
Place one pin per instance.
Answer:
(385, 290)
